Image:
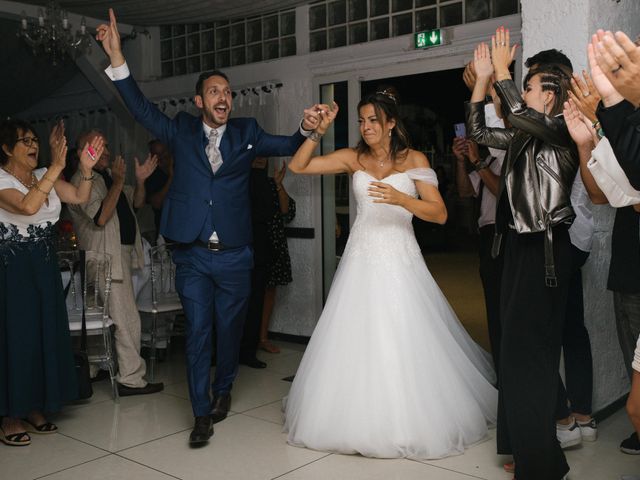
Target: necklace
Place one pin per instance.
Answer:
(33, 183)
(383, 160)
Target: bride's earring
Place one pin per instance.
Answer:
(390, 132)
(545, 108)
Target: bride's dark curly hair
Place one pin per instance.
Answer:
(385, 106)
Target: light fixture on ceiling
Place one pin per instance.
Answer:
(50, 34)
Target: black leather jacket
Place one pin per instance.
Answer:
(539, 168)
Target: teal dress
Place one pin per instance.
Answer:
(37, 370)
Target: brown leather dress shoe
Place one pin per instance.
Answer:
(202, 431)
(221, 405)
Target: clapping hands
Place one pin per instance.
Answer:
(585, 95)
(90, 154)
(502, 53)
(618, 59)
(118, 170)
(580, 128)
(144, 170)
(58, 145)
(482, 61)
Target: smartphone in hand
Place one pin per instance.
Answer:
(460, 130)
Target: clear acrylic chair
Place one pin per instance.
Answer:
(89, 285)
(159, 300)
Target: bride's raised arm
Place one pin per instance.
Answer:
(339, 161)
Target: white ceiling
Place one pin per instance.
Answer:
(161, 12)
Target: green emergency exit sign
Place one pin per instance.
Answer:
(430, 38)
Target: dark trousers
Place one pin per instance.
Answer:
(532, 316)
(490, 275)
(212, 285)
(627, 311)
(251, 334)
(578, 365)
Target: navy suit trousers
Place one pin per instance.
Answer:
(213, 286)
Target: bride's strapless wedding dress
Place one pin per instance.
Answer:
(389, 371)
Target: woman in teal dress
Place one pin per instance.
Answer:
(37, 372)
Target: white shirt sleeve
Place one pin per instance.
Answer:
(304, 132)
(117, 73)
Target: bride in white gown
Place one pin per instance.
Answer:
(389, 371)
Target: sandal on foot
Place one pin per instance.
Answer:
(267, 346)
(44, 428)
(20, 439)
(509, 467)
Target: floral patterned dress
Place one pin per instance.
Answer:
(279, 270)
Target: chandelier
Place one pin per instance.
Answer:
(51, 34)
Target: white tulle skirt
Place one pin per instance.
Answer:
(390, 371)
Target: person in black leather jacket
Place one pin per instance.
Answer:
(533, 214)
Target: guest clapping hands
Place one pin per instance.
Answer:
(39, 376)
(619, 59)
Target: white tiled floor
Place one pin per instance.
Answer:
(146, 438)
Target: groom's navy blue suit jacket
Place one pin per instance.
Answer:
(199, 201)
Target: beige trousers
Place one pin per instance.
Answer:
(124, 313)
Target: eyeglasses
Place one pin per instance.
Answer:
(29, 141)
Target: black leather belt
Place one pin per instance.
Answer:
(213, 246)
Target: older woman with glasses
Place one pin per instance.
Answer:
(37, 372)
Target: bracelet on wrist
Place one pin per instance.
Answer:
(315, 136)
(598, 128)
(480, 165)
(44, 178)
(37, 187)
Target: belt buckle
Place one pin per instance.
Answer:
(214, 246)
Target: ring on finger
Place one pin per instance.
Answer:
(586, 94)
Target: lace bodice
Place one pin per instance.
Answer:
(382, 230)
(15, 227)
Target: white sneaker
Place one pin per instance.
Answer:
(568, 435)
(588, 430)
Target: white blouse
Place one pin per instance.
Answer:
(49, 212)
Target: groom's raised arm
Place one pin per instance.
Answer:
(145, 112)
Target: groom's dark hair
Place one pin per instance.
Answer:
(205, 75)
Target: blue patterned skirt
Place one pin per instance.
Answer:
(37, 370)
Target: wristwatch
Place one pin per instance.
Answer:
(315, 136)
(480, 165)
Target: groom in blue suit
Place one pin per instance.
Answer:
(207, 213)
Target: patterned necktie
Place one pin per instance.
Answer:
(213, 152)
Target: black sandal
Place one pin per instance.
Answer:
(44, 428)
(20, 439)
